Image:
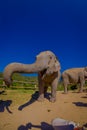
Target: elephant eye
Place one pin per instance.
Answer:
(50, 57)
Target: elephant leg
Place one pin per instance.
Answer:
(41, 89)
(65, 82)
(65, 87)
(53, 90)
(41, 93)
(82, 82)
(81, 87)
(46, 95)
(45, 89)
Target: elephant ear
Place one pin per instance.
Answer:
(53, 65)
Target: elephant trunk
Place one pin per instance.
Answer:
(20, 68)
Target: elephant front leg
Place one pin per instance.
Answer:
(53, 90)
(41, 88)
(65, 84)
(41, 92)
(65, 88)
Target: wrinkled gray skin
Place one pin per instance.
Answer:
(48, 68)
(74, 76)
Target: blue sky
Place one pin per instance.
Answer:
(28, 27)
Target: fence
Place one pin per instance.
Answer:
(20, 84)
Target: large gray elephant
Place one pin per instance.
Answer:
(48, 68)
(74, 76)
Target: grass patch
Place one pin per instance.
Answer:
(17, 97)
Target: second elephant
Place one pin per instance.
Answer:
(48, 68)
(74, 76)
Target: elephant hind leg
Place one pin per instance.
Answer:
(45, 89)
(81, 87)
(46, 95)
(82, 82)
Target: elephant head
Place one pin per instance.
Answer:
(45, 61)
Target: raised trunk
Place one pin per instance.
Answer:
(20, 68)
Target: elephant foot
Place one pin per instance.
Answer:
(80, 91)
(65, 92)
(52, 100)
(40, 99)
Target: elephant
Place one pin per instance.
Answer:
(47, 66)
(74, 76)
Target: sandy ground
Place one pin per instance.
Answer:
(36, 115)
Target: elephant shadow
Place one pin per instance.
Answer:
(43, 126)
(34, 98)
(80, 104)
(5, 105)
(2, 92)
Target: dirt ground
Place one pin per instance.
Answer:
(35, 115)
